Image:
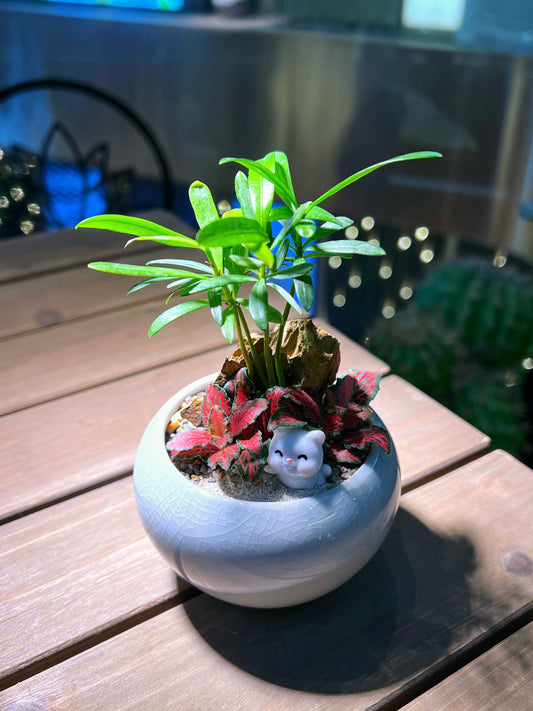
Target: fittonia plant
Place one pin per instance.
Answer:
(240, 248)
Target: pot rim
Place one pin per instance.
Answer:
(326, 498)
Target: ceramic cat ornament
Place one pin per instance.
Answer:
(297, 457)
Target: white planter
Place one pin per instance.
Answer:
(262, 554)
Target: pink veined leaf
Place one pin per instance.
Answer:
(191, 444)
(332, 423)
(368, 435)
(283, 417)
(354, 417)
(302, 405)
(342, 392)
(252, 457)
(245, 415)
(215, 396)
(367, 386)
(254, 444)
(244, 388)
(340, 454)
(224, 458)
(273, 396)
(217, 422)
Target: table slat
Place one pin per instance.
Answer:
(21, 257)
(499, 679)
(105, 425)
(450, 571)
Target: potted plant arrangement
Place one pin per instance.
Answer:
(272, 482)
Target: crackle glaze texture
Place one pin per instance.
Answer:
(262, 554)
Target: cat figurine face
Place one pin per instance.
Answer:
(296, 456)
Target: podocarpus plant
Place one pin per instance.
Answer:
(241, 248)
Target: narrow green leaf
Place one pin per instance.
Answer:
(175, 312)
(258, 304)
(286, 295)
(179, 241)
(236, 212)
(220, 281)
(297, 270)
(146, 282)
(243, 194)
(283, 171)
(345, 247)
(318, 213)
(256, 167)
(228, 324)
(231, 232)
(261, 191)
(356, 176)
(306, 228)
(184, 286)
(203, 204)
(281, 254)
(134, 270)
(263, 253)
(128, 225)
(289, 224)
(215, 302)
(246, 262)
(283, 212)
(305, 291)
(328, 228)
(273, 315)
(189, 263)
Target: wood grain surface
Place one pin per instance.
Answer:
(22, 257)
(499, 679)
(453, 567)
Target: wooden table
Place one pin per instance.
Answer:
(92, 618)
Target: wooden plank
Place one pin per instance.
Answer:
(46, 300)
(91, 437)
(499, 679)
(428, 437)
(47, 251)
(450, 571)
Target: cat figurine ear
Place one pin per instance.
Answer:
(295, 455)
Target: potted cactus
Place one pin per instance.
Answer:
(277, 418)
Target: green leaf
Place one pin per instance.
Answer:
(283, 212)
(128, 225)
(228, 324)
(175, 312)
(215, 302)
(258, 304)
(345, 248)
(134, 270)
(203, 204)
(256, 167)
(328, 228)
(305, 291)
(356, 176)
(263, 253)
(297, 270)
(273, 315)
(179, 241)
(146, 282)
(318, 213)
(289, 224)
(306, 228)
(184, 286)
(231, 232)
(243, 194)
(261, 192)
(246, 262)
(236, 212)
(189, 263)
(287, 296)
(283, 171)
(281, 254)
(220, 281)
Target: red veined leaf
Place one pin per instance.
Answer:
(217, 423)
(367, 386)
(301, 404)
(332, 423)
(244, 388)
(191, 444)
(214, 395)
(283, 417)
(254, 445)
(368, 435)
(252, 457)
(357, 387)
(354, 416)
(343, 390)
(245, 415)
(224, 458)
(341, 455)
(273, 396)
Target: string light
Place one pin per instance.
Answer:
(426, 256)
(339, 299)
(4, 202)
(406, 291)
(1, 154)
(223, 206)
(34, 209)
(500, 260)
(334, 262)
(374, 239)
(27, 226)
(367, 223)
(354, 280)
(351, 232)
(17, 194)
(404, 242)
(388, 309)
(385, 270)
(421, 233)
(527, 363)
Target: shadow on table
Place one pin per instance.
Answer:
(400, 614)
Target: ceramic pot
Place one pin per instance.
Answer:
(262, 554)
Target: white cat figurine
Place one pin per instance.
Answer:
(297, 457)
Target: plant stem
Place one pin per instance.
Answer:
(240, 320)
(281, 332)
(242, 344)
(268, 357)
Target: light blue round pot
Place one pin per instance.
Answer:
(262, 554)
